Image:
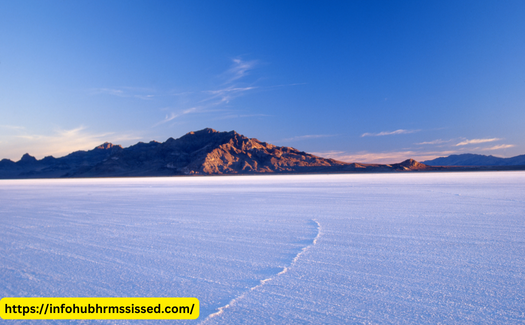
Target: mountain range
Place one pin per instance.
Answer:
(204, 152)
(470, 159)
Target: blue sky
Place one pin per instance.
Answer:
(365, 81)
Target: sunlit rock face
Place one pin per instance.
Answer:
(241, 154)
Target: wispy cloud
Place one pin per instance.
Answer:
(239, 69)
(400, 131)
(226, 94)
(173, 115)
(215, 102)
(288, 85)
(232, 116)
(107, 91)
(130, 92)
(476, 141)
(501, 146)
(12, 127)
(211, 100)
(59, 143)
(438, 141)
(179, 93)
(144, 97)
(306, 137)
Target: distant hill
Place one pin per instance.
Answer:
(204, 152)
(469, 159)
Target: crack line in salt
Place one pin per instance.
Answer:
(262, 282)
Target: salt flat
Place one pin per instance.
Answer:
(404, 248)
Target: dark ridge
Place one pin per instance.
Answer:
(469, 159)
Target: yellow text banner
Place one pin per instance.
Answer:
(99, 308)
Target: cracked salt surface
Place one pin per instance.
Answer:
(264, 281)
(332, 249)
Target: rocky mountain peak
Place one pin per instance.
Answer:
(105, 146)
(411, 164)
(26, 158)
(203, 132)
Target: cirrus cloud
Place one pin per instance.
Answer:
(306, 137)
(476, 141)
(211, 101)
(501, 146)
(400, 131)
